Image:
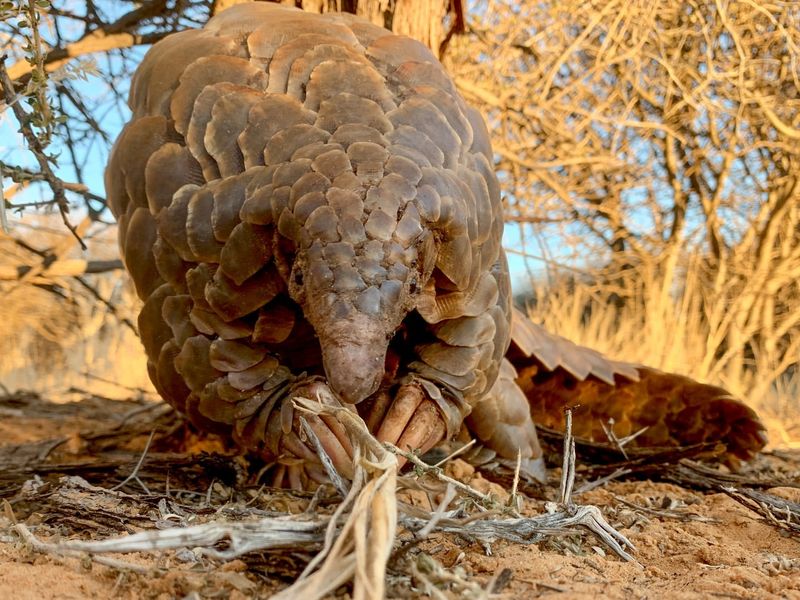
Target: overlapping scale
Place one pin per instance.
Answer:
(207, 71)
(167, 170)
(286, 173)
(158, 77)
(140, 236)
(229, 119)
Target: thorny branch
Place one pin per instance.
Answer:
(107, 37)
(23, 177)
(35, 146)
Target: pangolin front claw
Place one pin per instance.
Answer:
(296, 462)
(411, 420)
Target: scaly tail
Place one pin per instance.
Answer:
(673, 410)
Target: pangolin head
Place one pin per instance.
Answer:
(357, 286)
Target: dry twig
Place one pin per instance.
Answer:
(357, 540)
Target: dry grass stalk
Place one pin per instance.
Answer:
(365, 540)
(437, 472)
(358, 539)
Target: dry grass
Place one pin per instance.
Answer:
(354, 544)
(637, 315)
(54, 333)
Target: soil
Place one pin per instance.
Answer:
(689, 543)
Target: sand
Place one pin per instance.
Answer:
(689, 544)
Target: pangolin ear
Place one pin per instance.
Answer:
(297, 290)
(427, 250)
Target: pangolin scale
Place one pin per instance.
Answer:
(306, 203)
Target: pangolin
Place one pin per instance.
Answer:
(307, 204)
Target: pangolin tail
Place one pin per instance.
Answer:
(664, 408)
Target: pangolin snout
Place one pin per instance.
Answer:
(352, 314)
(354, 370)
(354, 350)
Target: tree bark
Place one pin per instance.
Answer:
(422, 20)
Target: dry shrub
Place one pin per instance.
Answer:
(54, 332)
(654, 148)
(631, 315)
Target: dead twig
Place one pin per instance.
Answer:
(438, 473)
(456, 452)
(134, 476)
(568, 461)
(781, 513)
(665, 513)
(619, 443)
(3, 216)
(60, 550)
(590, 485)
(239, 539)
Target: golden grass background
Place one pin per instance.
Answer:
(49, 342)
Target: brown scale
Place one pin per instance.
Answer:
(307, 207)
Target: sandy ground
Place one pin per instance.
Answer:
(688, 545)
(734, 555)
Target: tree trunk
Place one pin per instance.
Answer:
(422, 20)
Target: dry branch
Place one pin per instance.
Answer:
(69, 267)
(238, 539)
(35, 146)
(357, 540)
(777, 511)
(119, 34)
(653, 146)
